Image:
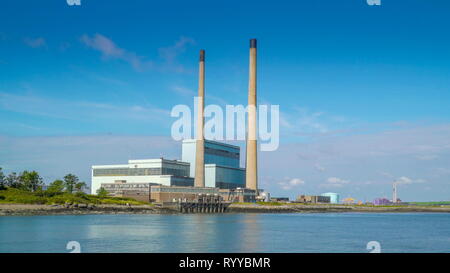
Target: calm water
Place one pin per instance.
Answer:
(414, 232)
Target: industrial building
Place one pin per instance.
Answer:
(279, 199)
(221, 169)
(334, 197)
(313, 199)
(137, 191)
(221, 163)
(348, 201)
(242, 195)
(207, 167)
(161, 193)
(158, 171)
(381, 201)
(152, 192)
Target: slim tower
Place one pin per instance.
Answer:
(251, 168)
(200, 141)
(394, 192)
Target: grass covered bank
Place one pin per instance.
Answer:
(40, 197)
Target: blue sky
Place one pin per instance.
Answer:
(346, 76)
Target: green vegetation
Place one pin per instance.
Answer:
(72, 183)
(18, 196)
(270, 203)
(29, 181)
(102, 192)
(437, 203)
(2, 180)
(27, 188)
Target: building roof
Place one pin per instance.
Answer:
(141, 161)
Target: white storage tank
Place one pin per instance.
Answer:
(334, 197)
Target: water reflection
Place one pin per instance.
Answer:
(251, 237)
(226, 233)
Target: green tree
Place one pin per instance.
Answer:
(13, 181)
(2, 180)
(80, 186)
(56, 187)
(102, 192)
(31, 181)
(70, 181)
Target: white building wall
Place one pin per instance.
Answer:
(188, 154)
(96, 181)
(210, 175)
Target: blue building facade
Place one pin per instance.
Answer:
(221, 163)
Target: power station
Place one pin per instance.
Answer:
(206, 167)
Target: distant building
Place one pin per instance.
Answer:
(381, 202)
(162, 194)
(279, 199)
(137, 191)
(151, 192)
(242, 195)
(334, 197)
(314, 199)
(348, 201)
(159, 171)
(263, 196)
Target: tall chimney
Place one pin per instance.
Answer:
(394, 192)
(200, 141)
(251, 168)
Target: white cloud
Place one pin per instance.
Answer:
(80, 110)
(110, 50)
(310, 123)
(336, 180)
(35, 42)
(319, 168)
(296, 181)
(386, 174)
(184, 91)
(404, 180)
(426, 157)
(439, 171)
(169, 54)
(407, 180)
(290, 183)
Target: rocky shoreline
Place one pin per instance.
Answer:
(300, 208)
(29, 210)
